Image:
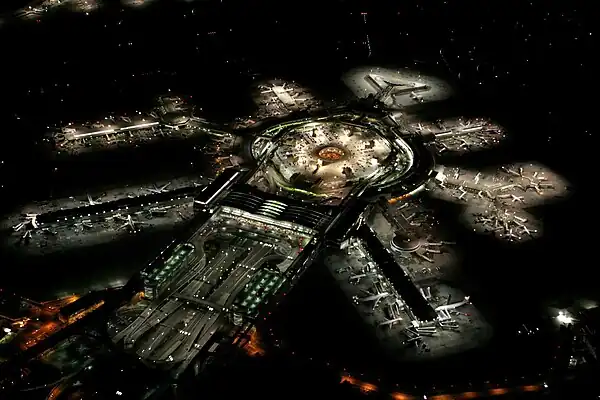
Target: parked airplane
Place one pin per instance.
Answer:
(26, 236)
(161, 189)
(416, 97)
(464, 144)
(517, 198)
(30, 219)
(376, 298)
(477, 177)
(343, 269)
(454, 305)
(159, 210)
(463, 192)
(90, 201)
(527, 231)
(390, 322)
(520, 219)
(86, 223)
(513, 172)
(444, 147)
(511, 235)
(129, 223)
(357, 278)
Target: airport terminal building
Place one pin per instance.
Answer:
(254, 236)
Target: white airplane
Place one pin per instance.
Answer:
(358, 277)
(485, 220)
(90, 201)
(464, 144)
(443, 147)
(454, 305)
(415, 96)
(520, 219)
(86, 223)
(156, 189)
(390, 322)
(538, 186)
(376, 298)
(159, 210)
(477, 177)
(517, 198)
(342, 270)
(26, 235)
(513, 172)
(426, 293)
(129, 223)
(527, 231)
(511, 235)
(457, 174)
(30, 219)
(463, 192)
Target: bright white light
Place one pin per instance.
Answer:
(564, 318)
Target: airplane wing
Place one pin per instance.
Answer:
(124, 225)
(378, 301)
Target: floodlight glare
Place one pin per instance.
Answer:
(564, 318)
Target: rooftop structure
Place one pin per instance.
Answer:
(165, 268)
(327, 158)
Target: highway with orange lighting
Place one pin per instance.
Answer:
(41, 322)
(366, 387)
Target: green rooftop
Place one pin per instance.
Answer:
(258, 290)
(161, 272)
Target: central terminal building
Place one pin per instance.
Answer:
(258, 229)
